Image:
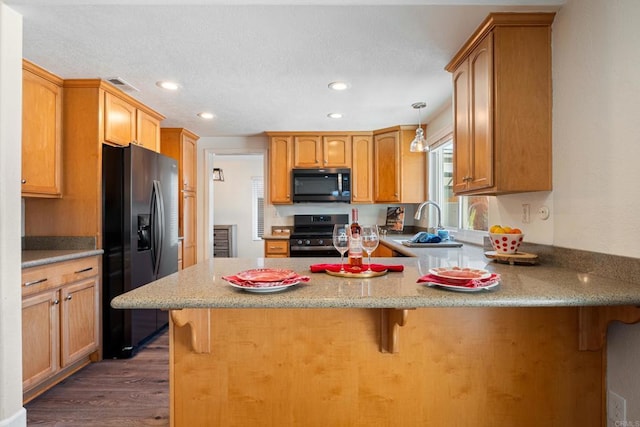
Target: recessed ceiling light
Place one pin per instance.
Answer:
(334, 115)
(205, 115)
(339, 85)
(168, 85)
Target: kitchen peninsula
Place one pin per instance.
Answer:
(387, 350)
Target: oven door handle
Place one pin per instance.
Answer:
(339, 184)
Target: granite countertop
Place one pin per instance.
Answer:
(281, 236)
(35, 258)
(202, 286)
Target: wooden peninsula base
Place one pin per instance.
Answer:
(467, 366)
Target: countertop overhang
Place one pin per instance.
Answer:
(202, 286)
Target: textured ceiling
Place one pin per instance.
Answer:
(264, 65)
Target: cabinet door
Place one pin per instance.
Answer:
(40, 337)
(189, 229)
(362, 169)
(119, 120)
(462, 134)
(307, 152)
(481, 80)
(188, 163)
(387, 167)
(280, 169)
(78, 320)
(148, 131)
(336, 151)
(41, 136)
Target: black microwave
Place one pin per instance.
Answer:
(321, 185)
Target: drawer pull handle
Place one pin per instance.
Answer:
(35, 282)
(84, 270)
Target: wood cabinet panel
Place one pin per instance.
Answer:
(502, 106)
(189, 224)
(336, 151)
(40, 337)
(280, 165)
(60, 321)
(307, 151)
(276, 248)
(79, 320)
(147, 131)
(41, 132)
(362, 169)
(119, 120)
(514, 366)
(387, 167)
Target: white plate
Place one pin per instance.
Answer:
(458, 274)
(263, 289)
(463, 288)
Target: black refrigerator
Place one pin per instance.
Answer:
(140, 240)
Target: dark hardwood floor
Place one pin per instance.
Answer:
(127, 392)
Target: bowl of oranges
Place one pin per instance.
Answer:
(505, 240)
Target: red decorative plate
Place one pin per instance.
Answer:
(458, 274)
(266, 275)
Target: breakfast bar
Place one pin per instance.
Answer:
(387, 350)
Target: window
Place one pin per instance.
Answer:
(257, 197)
(458, 212)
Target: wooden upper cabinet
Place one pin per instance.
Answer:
(362, 169)
(336, 151)
(387, 167)
(180, 144)
(189, 162)
(400, 175)
(280, 164)
(307, 151)
(502, 106)
(321, 151)
(41, 132)
(119, 120)
(147, 131)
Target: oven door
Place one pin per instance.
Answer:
(297, 251)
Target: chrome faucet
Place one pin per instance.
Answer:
(429, 202)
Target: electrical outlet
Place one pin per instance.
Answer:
(526, 213)
(616, 408)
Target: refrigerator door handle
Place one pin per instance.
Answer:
(157, 226)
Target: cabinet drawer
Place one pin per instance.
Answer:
(276, 247)
(37, 279)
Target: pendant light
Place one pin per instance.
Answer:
(418, 144)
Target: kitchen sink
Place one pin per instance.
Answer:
(446, 244)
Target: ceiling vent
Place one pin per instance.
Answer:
(122, 84)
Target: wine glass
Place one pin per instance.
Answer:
(370, 240)
(341, 241)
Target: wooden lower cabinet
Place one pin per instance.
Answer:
(276, 248)
(60, 322)
(466, 366)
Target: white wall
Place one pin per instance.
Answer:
(596, 69)
(12, 414)
(232, 199)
